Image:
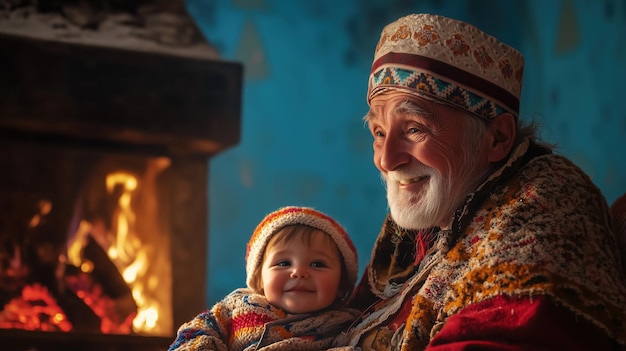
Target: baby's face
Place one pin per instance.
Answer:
(300, 276)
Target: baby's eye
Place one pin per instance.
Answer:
(283, 263)
(318, 264)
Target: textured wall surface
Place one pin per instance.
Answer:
(303, 141)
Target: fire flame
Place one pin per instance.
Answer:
(126, 252)
(130, 255)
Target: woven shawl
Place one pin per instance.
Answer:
(537, 226)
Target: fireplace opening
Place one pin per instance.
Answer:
(85, 245)
(104, 151)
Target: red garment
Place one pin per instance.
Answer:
(511, 323)
(505, 323)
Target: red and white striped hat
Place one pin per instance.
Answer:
(291, 215)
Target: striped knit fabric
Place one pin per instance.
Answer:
(244, 320)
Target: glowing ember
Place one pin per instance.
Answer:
(35, 309)
(102, 305)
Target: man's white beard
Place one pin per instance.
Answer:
(433, 206)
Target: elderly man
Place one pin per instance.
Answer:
(492, 241)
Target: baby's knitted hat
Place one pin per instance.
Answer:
(291, 215)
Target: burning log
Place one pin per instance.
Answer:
(123, 307)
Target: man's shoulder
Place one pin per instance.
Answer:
(556, 176)
(551, 165)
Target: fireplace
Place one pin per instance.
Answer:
(104, 153)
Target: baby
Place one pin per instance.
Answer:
(301, 266)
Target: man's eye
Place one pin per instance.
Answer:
(413, 130)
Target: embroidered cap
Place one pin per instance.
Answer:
(290, 215)
(450, 61)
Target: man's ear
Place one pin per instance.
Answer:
(502, 132)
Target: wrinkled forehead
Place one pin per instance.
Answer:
(399, 103)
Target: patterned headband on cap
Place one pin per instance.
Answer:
(291, 215)
(449, 61)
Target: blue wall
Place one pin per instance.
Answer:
(306, 67)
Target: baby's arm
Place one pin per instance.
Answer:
(203, 333)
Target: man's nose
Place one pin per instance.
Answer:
(393, 153)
